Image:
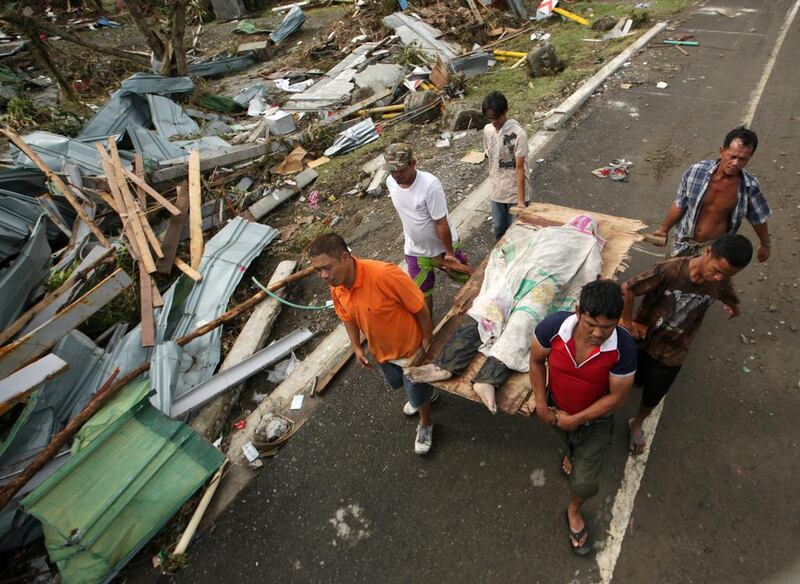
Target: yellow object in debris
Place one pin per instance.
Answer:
(515, 54)
(382, 109)
(571, 16)
(390, 116)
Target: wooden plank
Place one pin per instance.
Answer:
(146, 188)
(138, 171)
(247, 152)
(137, 231)
(66, 285)
(188, 270)
(36, 343)
(158, 301)
(146, 307)
(48, 210)
(195, 210)
(56, 180)
(174, 232)
(19, 385)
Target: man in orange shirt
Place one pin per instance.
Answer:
(379, 300)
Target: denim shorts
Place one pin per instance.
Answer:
(418, 393)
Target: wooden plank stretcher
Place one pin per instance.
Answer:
(516, 396)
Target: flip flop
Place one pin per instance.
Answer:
(586, 548)
(636, 446)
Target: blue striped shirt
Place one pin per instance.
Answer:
(750, 203)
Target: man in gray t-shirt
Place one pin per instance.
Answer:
(506, 147)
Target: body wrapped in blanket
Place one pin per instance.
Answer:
(534, 274)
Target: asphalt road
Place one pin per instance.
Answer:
(347, 500)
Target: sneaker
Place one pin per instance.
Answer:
(424, 439)
(410, 410)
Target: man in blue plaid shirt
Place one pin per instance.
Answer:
(715, 195)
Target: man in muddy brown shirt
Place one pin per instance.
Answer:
(676, 294)
(715, 195)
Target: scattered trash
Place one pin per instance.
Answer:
(249, 27)
(319, 162)
(662, 85)
(616, 170)
(313, 200)
(297, 402)
(250, 452)
(240, 425)
(443, 143)
(362, 133)
(283, 369)
(292, 164)
(474, 157)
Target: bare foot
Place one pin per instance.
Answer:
(637, 443)
(427, 373)
(486, 392)
(566, 466)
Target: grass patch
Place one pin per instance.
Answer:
(581, 58)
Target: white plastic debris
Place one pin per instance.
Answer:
(662, 84)
(282, 370)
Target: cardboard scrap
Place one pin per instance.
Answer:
(292, 164)
(474, 157)
(439, 76)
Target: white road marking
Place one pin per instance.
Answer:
(671, 95)
(755, 97)
(757, 34)
(622, 509)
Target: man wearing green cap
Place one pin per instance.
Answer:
(420, 202)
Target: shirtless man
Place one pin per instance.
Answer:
(715, 195)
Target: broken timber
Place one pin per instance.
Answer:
(38, 341)
(19, 384)
(195, 210)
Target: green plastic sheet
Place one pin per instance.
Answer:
(123, 485)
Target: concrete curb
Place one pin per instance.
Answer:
(467, 217)
(570, 105)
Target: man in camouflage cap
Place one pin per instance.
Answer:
(420, 202)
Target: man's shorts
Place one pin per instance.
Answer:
(417, 393)
(423, 271)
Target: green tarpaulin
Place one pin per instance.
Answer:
(126, 482)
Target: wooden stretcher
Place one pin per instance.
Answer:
(516, 396)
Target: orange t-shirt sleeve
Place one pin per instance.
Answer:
(402, 287)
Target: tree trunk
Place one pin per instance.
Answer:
(40, 50)
(177, 33)
(26, 23)
(143, 24)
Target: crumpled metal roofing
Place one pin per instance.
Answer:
(353, 137)
(152, 146)
(249, 92)
(47, 411)
(222, 66)
(25, 274)
(203, 144)
(293, 20)
(55, 151)
(225, 259)
(414, 30)
(169, 118)
(144, 83)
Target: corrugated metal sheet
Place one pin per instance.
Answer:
(169, 119)
(150, 466)
(56, 151)
(225, 259)
(223, 66)
(144, 83)
(25, 275)
(118, 113)
(413, 30)
(152, 146)
(353, 137)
